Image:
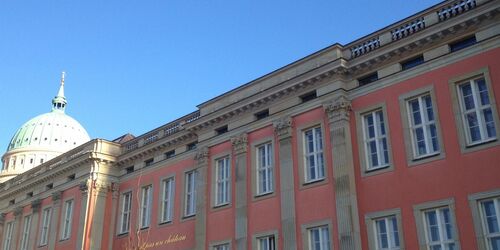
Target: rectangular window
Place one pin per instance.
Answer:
(222, 247)
(490, 217)
(439, 228)
(313, 155)
(167, 200)
(264, 169)
(146, 205)
(8, 236)
(190, 194)
(368, 79)
(319, 238)
(222, 181)
(423, 128)
(461, 44)
(149, 162)
(375, 140)
(386, 233)
(25, 236)
(413, 62)
(267, 243)
(68, 215)
(44, 230)
(476, 111)
(125, 212)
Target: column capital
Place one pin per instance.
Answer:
(240, 143)
(338, 109)
(283, 127)
(84, 187)
(56, 196)
(36, 205)
(18, 211)
(201, 156)
(2, 218)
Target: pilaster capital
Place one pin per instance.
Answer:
(240, 143)
(2, 218)
(36, 205)
(115, 189)
(84, 187)
(201, 156)
(339, 109)
(18, 211)
(283, 127)
(56, 196)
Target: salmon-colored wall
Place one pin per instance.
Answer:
(456, 176)
(75, 194)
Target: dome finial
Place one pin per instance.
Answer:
(59, 102)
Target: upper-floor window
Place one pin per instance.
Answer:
(490, 217)
(149, 162)
(190, 193)
(45, 225)
(387, 233)
(222, 247)
(313, 155)
(66, 223)
(222, 181)
(167, 200)
(423, 128)
(439, 228)
(375, 140)
(126, 206)
(25, 236)
(146, 206)
(264, 169)
(7, 242)
(477, 112)
(319, 238)
(267, 243)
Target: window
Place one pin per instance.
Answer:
(25, 236)
(267, 243)
(68, 215)
(146, 202)
(386, 233)
(319, 238)
(375, 140)
(436, 225)
(126, 207)
(222, 181)
(169, 154)
(264, 169)
(49, 186)
(221, 247)
(190, 194)
(412, 62)
(490, 218)
(129, 170)
(262, 114)
(476, 111)
(423, 128)
(167, 200)
(44, 230)
(385, 230)
(313, 155)
(308, 96)
(148, 162)
(71, 177)
(8, 236)
(191, 146)
(221, 130)
(461, 44)
(368, 79)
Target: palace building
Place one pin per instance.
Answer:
(389, 142)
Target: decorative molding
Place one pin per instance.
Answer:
(283, 127)
(36, 205)
(18, 211)
(338, 109)
(115, 189)
(84, 186)
(2, 218)
(240, 143)
(56, 195)
(202, 156)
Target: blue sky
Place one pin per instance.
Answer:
(135, 65)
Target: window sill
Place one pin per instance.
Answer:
(480, 146)
(188, 217)
(122, 235)
(263, 196)
(476, 144)
(313, 183)
(377, 171)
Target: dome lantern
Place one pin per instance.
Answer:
(59, 102)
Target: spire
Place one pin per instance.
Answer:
(59, 102)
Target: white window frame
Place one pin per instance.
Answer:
(424, 125)
(190, 193)
(378, 139)
(264, 161)
(441, 226)
(126, 208)
(224, 246)
(487, 234)
(267, 242)
(45, 226)
(146, 206)
(477, 110)
(325, 244)
(317, 155)
(222, 181)
(390, 232)
(25, 236)
(167, 199)
(7, 242)
(371, 220)
(67, 219)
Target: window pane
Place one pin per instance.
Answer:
(490, 124)
(472, 122)
(491, 216)
(483, 91)
(467, 96)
